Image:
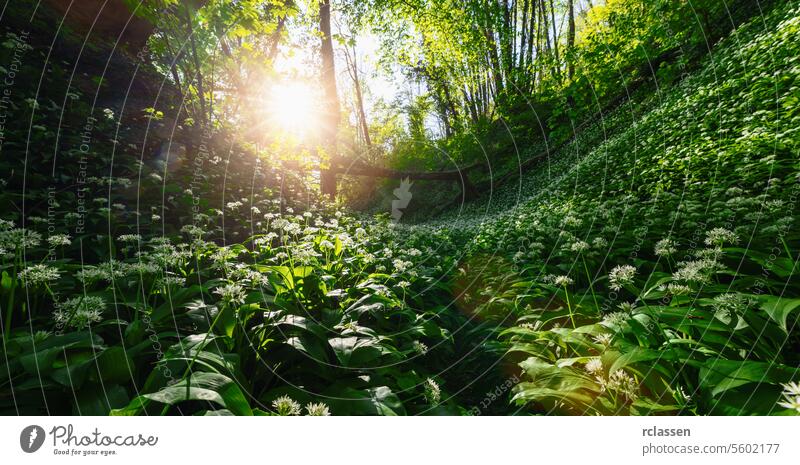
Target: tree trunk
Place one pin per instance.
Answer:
(555, 38)
(570, 39)
(200, 88)
(360, 101)
(523, 37)
(506, 40)
(330, 117)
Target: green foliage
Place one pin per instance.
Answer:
(649, 272)
(633, 291)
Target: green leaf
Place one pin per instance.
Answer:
(227, 320)
(373, 401)
(310, 346)
(778, 308)
(6, 281)
(115, 366)
(99, 399)
(719, 375)
(210, 387)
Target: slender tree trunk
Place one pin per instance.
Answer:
(452, 108)
(523, 36)
(532, 37)
(172, 67)
(330, 117)
(506, 40)
(193, 42)
(555, 38)
(494, 58)
(571, 40)
(362, 116)
(545, 29)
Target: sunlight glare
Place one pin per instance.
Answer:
(293, 108)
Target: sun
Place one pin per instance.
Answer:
(293, 108)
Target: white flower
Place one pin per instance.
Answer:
(39, 274)
(433, 394)
(57, 240)
(665, 247)
(79, 312)
(621, 275)
(579, 246)
(792, 388)
(292, 228)
(232, 294)
(791, 396)
(594, 366)
(720, 236)
(603, 339)
(616, 318)
(143, 268)
(675, 289)
(419, 347)
(624, 383)
(285, 406)
(169, 281)
(572, 221)
(233, 206)
(318, 410)
(562, 281)
(222, 256)
(401, 265)
(698, 271)
(19, 238)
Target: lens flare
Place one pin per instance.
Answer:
(293, 108)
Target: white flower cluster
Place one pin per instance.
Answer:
(231, 294)
(621, 275)
(79, 312)
(791, 396)
(286, 406)
(39, 274)
(433, 393)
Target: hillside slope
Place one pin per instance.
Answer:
(654, 272)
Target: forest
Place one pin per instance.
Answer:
(400, 207)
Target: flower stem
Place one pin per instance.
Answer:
(591, 285)
(569, 307)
